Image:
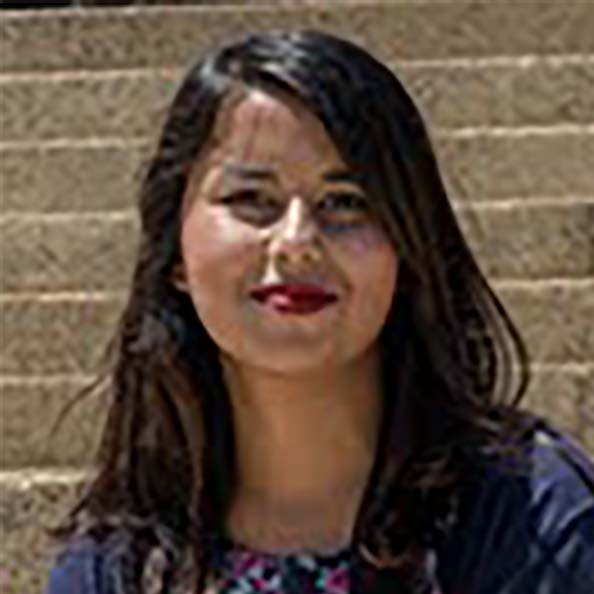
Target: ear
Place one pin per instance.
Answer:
(178, 277)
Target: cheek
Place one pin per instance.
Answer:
(360, 240)
(214, 250)
(372, 267)
(367, 251)
(379, 280)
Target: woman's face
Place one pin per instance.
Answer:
(270, 202)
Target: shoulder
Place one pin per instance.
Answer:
(81, 567)
(529, 526)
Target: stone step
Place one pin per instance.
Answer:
(400, 30)
(532, 241)
(31, 432)
(56, 336)
(97, 252)
(94, 252)
(67, 335)
(31, 407)
(134, 103)
(104, 175)
(31, 502)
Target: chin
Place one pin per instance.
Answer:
(273, 360)
(292, 364)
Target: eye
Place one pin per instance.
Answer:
(252, 204)
(248, 196)
(344, 204)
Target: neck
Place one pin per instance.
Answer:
(303, 438)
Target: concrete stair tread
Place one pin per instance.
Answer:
(165, 36)
(451, 96)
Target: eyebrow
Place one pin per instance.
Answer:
(253, 171)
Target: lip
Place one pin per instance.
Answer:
(294, 298)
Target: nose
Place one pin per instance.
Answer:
(295, 239)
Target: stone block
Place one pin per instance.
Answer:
(72, 178)
(113, 105)
(554, 320)
(171, 36)
(486, 167)
(532, 242)
(559, 394)
(587, 408)
(77, 253)
(457, 97)
(550, 94)
(28, 509)
(56, 337)
(537, 94)
(134, 104)
(31, 435)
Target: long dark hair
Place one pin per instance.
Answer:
(454, 366)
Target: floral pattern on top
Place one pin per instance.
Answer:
(238, 569)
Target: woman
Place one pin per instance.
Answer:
(314, 388)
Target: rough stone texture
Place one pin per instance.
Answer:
(555, 321)
(133, 104)
(587, 421)
(68, 179)
(73, 254)
(394, 31)
(532, 242)
(104, 178)
(503, 167)
(554, 93)
(564, 397)
(120, 105)
(453, 97)
(56, 337)
(27, 511)
(30, 433)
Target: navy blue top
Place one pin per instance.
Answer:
(515, 534)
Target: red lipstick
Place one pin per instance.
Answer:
(294, 298)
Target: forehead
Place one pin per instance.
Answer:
(272, 130)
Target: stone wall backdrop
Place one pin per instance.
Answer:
(508, 92)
